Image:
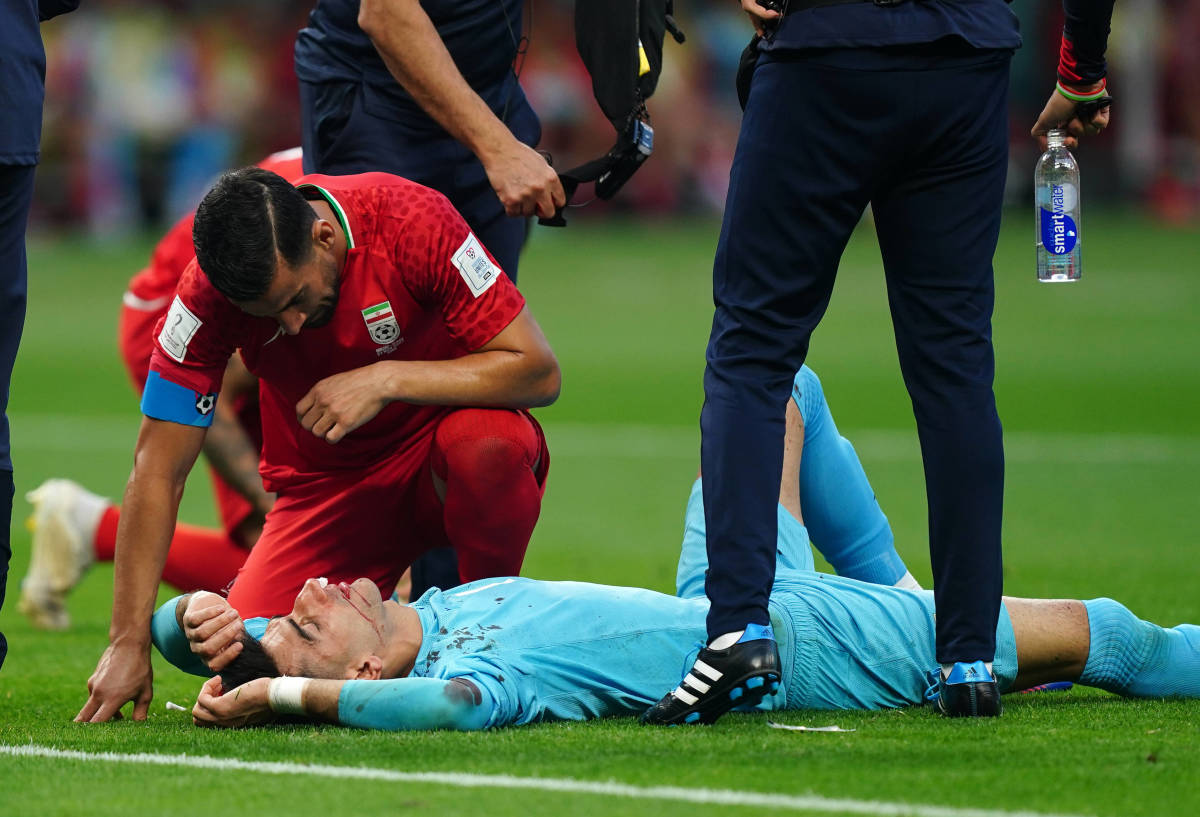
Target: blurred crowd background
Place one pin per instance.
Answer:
(147, 100)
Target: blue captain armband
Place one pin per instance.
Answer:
(164, 400)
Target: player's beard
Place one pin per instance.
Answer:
(328, 304)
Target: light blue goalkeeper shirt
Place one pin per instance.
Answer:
(531, 650)
(513, 651)
(540, 651)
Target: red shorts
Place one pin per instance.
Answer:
(371, 523)
(135, 334)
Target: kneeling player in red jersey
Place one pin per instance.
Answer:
(74, 528)
(396, 362)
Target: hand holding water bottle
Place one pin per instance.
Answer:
(1078, 110)
(1072, 111)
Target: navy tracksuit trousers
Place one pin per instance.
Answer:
(921, 134)
(16, 196)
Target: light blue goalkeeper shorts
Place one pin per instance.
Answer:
(851, 645)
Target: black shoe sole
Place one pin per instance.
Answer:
(747, 689)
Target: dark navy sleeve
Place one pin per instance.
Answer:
(1085, 39)
(53, 8)
(22, 69)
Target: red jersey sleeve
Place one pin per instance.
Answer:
(192, 344)
(446, 268)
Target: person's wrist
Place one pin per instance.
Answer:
(285, 695)
(126, 639)
(497, 146)
(1082, 92)
(391, 384)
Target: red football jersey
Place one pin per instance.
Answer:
(153, 287)
(416, 285)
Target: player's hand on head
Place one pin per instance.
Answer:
(122, 675)
(1061, 113)
(246, 705)
(213, 630)
(525, 182)
(342, 402)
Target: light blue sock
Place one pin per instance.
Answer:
(839, 507)
(1139, 659)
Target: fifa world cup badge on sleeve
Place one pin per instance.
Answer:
(474, 266)
(179, 327)
(381, 323)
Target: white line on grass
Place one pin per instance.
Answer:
(723, 797)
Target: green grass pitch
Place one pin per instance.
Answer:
(1099, 389)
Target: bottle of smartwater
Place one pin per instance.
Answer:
(1056, 212)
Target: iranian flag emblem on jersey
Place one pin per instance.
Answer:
(381, 323)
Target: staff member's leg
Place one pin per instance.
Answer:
(16, 196)
(813, 137)
(938, 226)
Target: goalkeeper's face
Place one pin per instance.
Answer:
(334, 631)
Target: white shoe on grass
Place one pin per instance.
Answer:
(64, 521)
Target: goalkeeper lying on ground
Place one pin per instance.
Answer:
(515, 651)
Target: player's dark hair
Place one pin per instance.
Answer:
(251, 663)
(246, 217)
